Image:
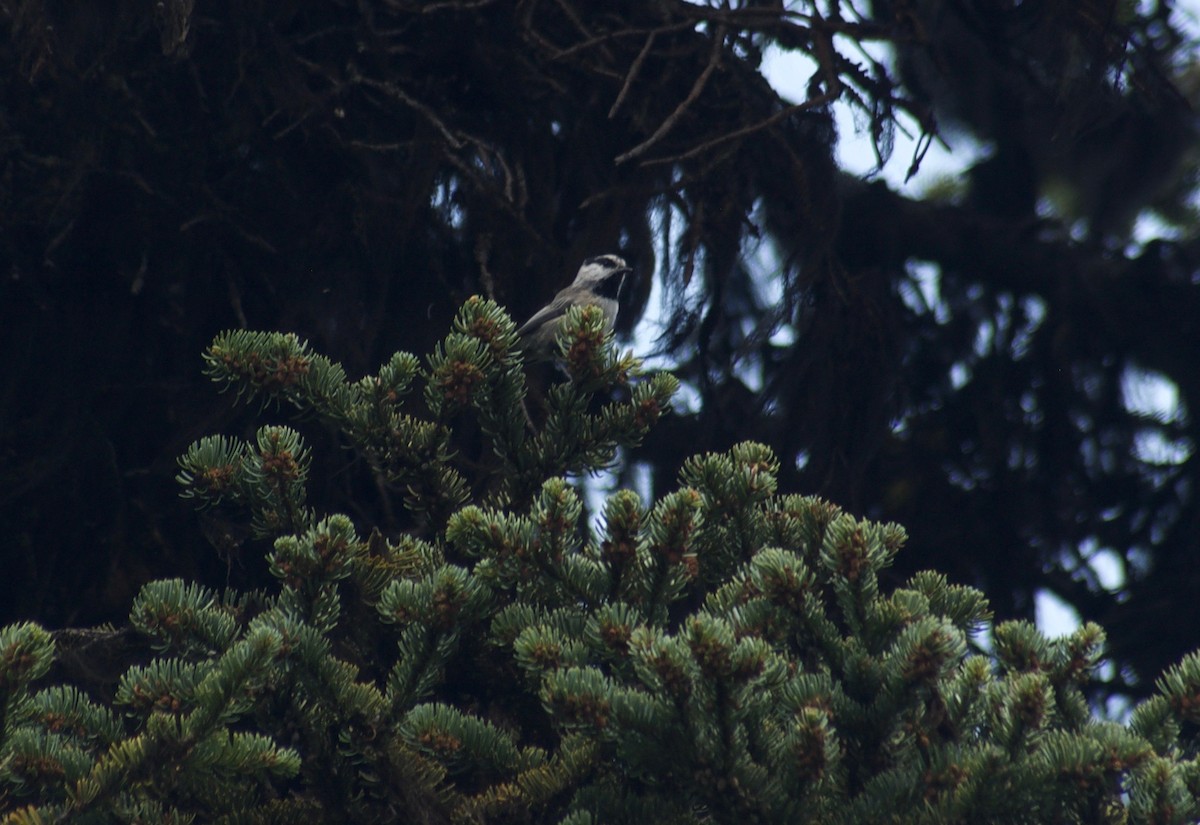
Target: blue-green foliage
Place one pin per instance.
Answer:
(725, 653)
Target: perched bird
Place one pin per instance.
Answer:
(598, 283)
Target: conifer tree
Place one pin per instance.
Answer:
(727, 653)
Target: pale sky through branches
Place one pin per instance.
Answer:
(789, 72)
(947, 157)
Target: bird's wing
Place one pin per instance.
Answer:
(552, 311)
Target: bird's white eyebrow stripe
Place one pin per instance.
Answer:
(611, 260)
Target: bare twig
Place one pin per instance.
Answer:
(634, 68)
(607, 37)
(827, 58)
(377, 147)
(457, 5)
(235, 299)
(811, 103)
(483, 245)
(923, 144)
(429, 114)
(574, 17)
(714, 60)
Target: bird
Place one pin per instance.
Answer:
(598, 283)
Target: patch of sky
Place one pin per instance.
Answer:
(1033, 309)
(960, 375)
(444, 203)
(1054, 616)
(1151, 394)
(789, 73)
(668, 223)
(921, 291)
(598, 486)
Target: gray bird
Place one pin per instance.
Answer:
(598, 283)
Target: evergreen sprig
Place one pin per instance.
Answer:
(476, 369)
(725, 653)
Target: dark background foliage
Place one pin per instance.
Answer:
(353, 171)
